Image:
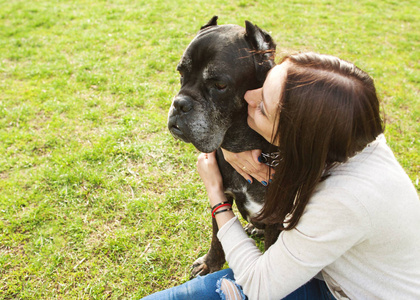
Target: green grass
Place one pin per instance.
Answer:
(97, 200)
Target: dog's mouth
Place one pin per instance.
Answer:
(176, 131)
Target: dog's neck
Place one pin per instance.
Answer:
(240, 137)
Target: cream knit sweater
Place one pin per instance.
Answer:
(361, 230)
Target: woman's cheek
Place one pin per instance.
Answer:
(250, 121)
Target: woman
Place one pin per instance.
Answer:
(349, 213)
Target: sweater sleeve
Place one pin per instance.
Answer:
(332, 223)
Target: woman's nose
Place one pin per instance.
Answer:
(252, 97)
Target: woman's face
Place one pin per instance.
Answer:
(263, 102)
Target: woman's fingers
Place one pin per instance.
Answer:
(248, 166)
(209, 171)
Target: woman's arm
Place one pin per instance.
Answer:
(333, 223)
(299, 254)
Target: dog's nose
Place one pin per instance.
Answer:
(183, 104)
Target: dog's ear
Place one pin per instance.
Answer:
(259, 39)
(212, 22)
(263, 49)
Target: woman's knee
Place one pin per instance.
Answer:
(229, 290)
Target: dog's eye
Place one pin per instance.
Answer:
(220, 86)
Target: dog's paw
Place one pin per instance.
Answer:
(252, 230)
(200, 267)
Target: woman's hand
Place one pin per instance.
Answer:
(247, 164)
(209, 172)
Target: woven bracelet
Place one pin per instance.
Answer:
(216, 207)
(220, 211)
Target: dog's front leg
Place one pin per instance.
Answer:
(213, 260)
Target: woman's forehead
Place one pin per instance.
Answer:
(274, 82)
(278, 71)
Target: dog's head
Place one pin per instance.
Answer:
(220, 64)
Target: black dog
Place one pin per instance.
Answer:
(217, 68)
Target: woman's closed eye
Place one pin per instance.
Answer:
(260, 107)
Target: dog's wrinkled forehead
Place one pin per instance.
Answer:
(210, 71)
(210, 42)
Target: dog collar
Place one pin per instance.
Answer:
(271, 159)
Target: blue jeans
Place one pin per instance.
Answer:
(209, 288)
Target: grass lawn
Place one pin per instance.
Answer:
(97, 200)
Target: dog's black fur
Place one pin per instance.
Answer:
(217, 68)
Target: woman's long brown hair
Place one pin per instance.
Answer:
(328, 111)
